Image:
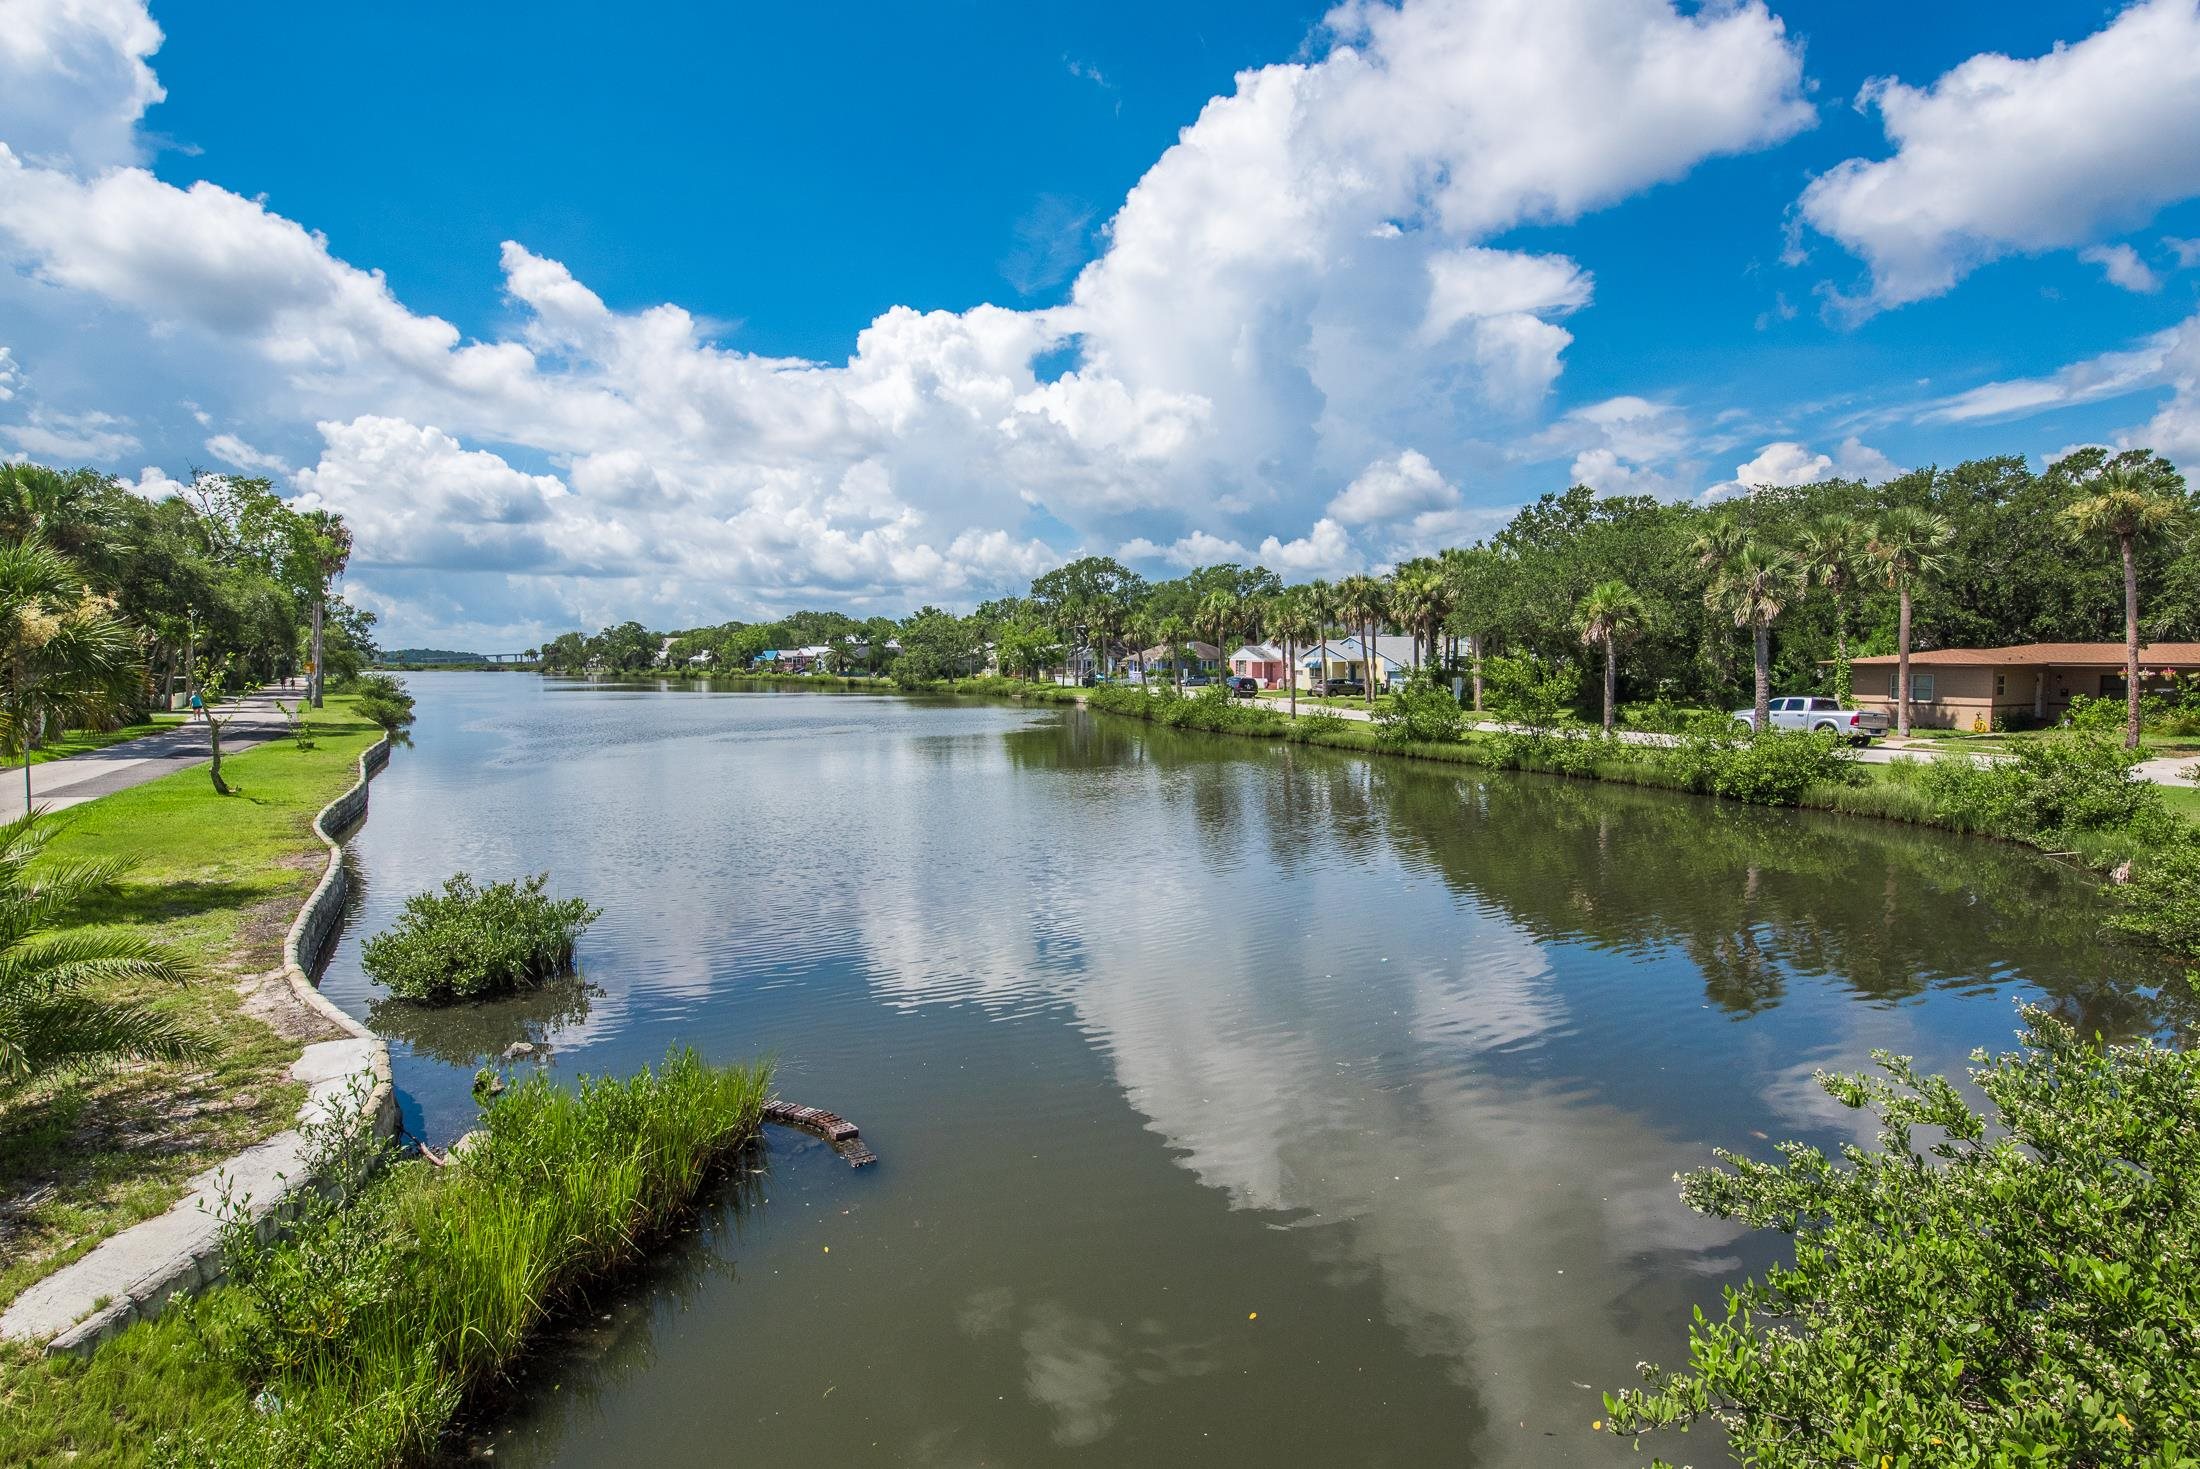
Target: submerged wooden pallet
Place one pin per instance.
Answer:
(835, 1129)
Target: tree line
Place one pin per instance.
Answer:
(113, 605)
(1617, 597)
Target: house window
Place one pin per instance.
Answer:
(2001, 684)
(1921, 686)
(2113, 686)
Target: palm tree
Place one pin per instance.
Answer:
(1294, 620)
(1752, 587)
(1610, 615)
(56, 506)
(1320, 599)
(1909, 546)
(63, 656)
(1830, 550)
(1173, 630)
(2124, 503)
(1218, 612)
(1361, 603)
(49, 1019)
(1421, 597)
(1718, 542)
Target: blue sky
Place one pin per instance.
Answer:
(1265, 283)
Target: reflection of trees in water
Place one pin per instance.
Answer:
(1750, 895)
(470, 1033)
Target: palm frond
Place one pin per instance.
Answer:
(75, 1032)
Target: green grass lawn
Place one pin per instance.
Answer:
(1282, 699)
(219, 880)
(77, 741)
(2184, 800)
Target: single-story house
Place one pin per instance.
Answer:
(792, 660)
(1344, 658)
(1263, 662)
(2031, 683)
(1158, 664)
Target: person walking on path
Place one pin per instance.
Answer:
(198, 706)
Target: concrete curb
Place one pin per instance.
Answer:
(133, 1275)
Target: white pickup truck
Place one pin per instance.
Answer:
(1809, 712)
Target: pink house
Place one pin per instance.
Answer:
(1262, 662)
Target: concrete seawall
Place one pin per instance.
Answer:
(133, 1275)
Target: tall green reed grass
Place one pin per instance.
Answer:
(362, 1334)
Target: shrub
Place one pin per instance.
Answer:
(2084, 784)
(1423, 712)
(1718, 757)
(2095, 716)
(1974, 795)
(358, 1338)
(1318, 727)
(384, 699)
(2028, 1294)
(1531, 692)
(1657, 716)
(2051, 789)
(1776, 767)
(467, 942)
(2161, 903)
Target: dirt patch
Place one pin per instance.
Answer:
(260, 936)
(268, 998)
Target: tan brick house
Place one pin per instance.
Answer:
(2031, 683)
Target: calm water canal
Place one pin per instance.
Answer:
(1158, 1031)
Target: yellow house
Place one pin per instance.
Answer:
(2031, 683)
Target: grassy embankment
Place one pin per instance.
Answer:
(219, 881)
(78, 741)
(355, 1343)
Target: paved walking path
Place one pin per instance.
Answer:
(252, 720)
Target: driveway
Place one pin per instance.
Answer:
(252, 720)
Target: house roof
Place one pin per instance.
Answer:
(1192, 646)
(1262, 652)
(2031, 655)
(1395, 651)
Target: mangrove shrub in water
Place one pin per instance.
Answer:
(2024, 1290)
(467, 942)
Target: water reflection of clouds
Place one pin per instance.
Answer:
(1304, 1069)
(1077, 1366)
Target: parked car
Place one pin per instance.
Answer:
(1196, 680)
(1350, 686)
(1815, 714)
(1243, 688)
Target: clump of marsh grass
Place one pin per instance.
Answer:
(358, 1337)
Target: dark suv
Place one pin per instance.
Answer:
(1350, 686)
(1243, 688)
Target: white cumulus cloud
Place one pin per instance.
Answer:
(1390, 488)
(2123, 267)
(1301, 287)
(2003, 155)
